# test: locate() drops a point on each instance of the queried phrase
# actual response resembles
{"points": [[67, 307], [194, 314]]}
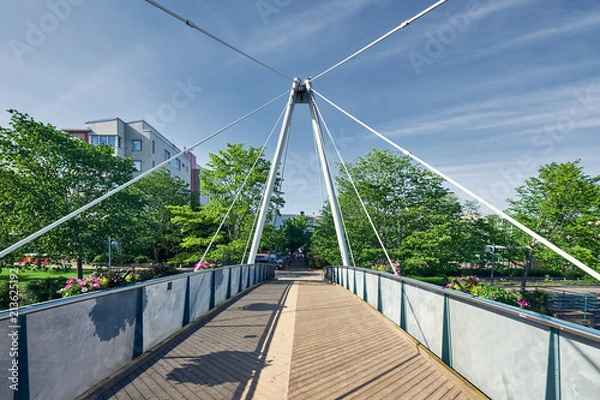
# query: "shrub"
{"points": [[538, 301], [41, 290], [100, 259], [471, 284], [141, 259], [436, 280], [4, 295], [317, 261], [158, 271]]}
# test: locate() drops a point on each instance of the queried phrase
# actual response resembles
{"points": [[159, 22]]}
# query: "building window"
{"points": [[103, 139], [137, 164], [136, 145], [167, 155], [177, 164], [153, 147]]}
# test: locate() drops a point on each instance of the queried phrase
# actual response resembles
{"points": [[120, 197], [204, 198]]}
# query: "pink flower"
{"points": [[200, 265], [80, 282], [70, 280], [95, 285], [84, 289], [522, 303], [67, 287]]}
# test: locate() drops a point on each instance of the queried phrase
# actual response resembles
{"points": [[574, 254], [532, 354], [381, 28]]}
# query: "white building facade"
{"points": [[147, 147]]}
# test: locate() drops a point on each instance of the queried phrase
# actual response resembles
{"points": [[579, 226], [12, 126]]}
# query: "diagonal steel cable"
{"points": [[380, 39], [471, 194], [210, 35]]}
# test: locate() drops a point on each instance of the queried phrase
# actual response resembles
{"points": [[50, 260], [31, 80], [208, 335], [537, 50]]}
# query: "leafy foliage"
{"points": [[44, 175], [221, 180], [421, 224], [296, 233], [155, 232], [40, 290], [563, 205]]}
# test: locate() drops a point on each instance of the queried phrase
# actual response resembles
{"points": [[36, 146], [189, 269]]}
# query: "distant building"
{"points": [[144, 144]]}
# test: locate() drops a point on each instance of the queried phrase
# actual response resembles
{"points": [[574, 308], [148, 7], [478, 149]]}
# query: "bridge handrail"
{"points": [[50, 304], [89, 337], [505, 351], [519, 313]]}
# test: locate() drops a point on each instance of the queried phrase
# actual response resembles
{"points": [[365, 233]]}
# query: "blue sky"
{"points": [[486, 91]]}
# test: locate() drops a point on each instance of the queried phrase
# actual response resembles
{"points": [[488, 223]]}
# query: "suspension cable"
{"points": [[362, 203], [75, 213], [238, 194], [210, 35], [471, 194], [390, 33]]}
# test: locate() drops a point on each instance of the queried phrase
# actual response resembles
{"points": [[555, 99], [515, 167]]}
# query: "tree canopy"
{"points": [[420, 222], [562, 204], [220, 181], [45, 174]]}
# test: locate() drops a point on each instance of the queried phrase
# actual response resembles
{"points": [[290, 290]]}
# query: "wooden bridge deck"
{"points": [[293, 338]]}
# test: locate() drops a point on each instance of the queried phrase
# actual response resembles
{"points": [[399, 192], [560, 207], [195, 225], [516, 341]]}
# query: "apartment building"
{"points": [[144, 144]]}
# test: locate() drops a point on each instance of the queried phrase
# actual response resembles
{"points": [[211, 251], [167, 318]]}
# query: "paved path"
{"points": [[294, 338]]}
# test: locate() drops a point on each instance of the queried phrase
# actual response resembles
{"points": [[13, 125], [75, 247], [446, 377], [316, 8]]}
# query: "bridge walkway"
{"points": [[294, 338]]}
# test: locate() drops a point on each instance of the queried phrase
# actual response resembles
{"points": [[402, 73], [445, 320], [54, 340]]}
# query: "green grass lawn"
{"points": [[26, 275]]}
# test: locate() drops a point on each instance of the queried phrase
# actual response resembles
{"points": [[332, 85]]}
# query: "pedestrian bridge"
{"points": [[252, 332]]}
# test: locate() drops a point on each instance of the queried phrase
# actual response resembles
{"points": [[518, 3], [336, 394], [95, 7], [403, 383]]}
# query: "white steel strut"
{"points": [[301, 94]]}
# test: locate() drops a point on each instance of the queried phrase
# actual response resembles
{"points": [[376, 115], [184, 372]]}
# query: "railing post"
{"points": [[355, 291], [347, 275], [213, 289], [228, 285], [402, 308], [22, 379], [365, 297], [186, 304], [138, 336], [241, 278], [553, 389], [446, 337], [379, 302]]}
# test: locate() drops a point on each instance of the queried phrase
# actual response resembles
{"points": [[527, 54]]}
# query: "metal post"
{"points": [[333, 203], [283, 135]]}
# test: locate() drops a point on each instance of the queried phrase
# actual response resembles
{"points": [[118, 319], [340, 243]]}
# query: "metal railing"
{"points": [[61, 348], [506, 352]]}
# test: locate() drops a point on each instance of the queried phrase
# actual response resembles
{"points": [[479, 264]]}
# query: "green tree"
{"points": [[220, 180], [296, 233], [45, 174], [155, 231], [562, 204], [420, 222]]}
